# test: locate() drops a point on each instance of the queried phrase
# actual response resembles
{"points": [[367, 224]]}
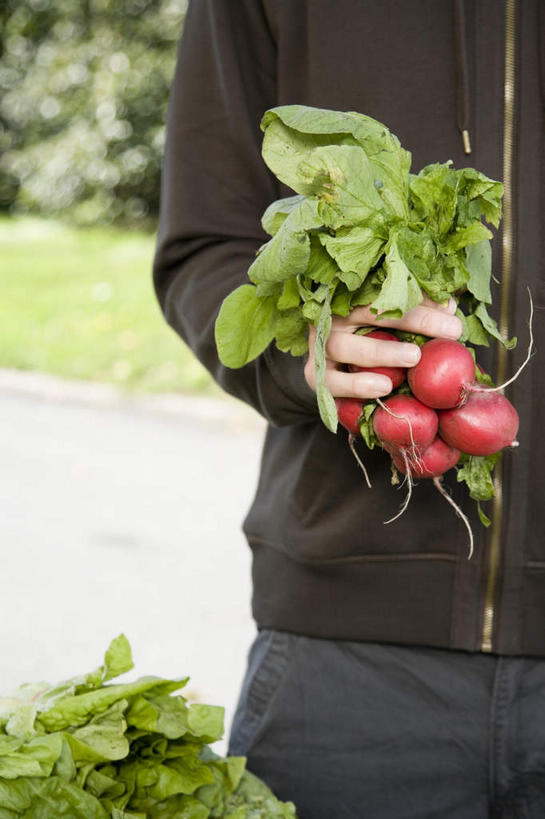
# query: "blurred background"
{"points": [[125, 473]]}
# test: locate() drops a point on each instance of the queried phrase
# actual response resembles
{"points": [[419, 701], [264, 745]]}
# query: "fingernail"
{"points": [[411, 355], [452, 327], [452, 306], [381, 384]]}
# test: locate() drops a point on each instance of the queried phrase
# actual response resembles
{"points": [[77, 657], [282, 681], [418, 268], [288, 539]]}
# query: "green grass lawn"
{"points": [[79, 303]]}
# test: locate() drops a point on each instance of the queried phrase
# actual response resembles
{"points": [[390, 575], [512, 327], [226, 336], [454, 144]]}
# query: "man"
{"points": [[391, 677]]}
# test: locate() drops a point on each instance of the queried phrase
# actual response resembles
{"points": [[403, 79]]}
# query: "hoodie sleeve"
{"points": [[215, 186]]}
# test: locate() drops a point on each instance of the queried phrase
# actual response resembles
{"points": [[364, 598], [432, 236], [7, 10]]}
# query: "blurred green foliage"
{"points": [[83, 93]]}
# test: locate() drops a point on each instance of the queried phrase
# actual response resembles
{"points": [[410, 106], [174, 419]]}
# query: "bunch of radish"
{"points": [[438, 412], [362, 230]]}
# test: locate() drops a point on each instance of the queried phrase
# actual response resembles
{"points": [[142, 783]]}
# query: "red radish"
{"points": [[443, 376], [486, 423], [437, 459], [349, 411], [404, 422], [396, 374]]}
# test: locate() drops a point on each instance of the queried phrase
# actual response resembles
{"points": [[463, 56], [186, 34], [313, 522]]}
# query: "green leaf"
{"points": [[370, 289], [291, 332], [159, 714], [272, 289], [287, 253], [326, 402], [178, 776], [485, 520], [391, 164], [290, 297], [259, 801], [454, 272], [118, 658], [483, 378], [342, 301], [351, 280], [314, 300], [479, 264], [342, 177], [244, 327], [21, 721], [366, 424], [433, 195], [9, 744], [413, 338], [102, 738], [311, 311], [418, 251], [77, 710], [48, 798], [472, 234], [321, 267], [277, 213], [292, 131], [177, 807], [476, 472], [284, 147], [400, 291], [474, 331], [18, 709], [357, 249], [33, 758], [101, 785], [484, 193], [492, 328], [206, 721]]}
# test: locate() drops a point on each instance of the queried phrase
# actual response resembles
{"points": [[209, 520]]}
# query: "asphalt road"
{"points": [[117, 519]]}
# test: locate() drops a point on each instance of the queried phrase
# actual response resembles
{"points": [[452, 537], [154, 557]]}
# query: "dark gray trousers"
{"points": [[373, 731]]}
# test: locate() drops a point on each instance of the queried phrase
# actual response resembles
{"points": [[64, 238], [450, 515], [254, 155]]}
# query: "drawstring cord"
{"points": [[541, 39], [462, 74]]}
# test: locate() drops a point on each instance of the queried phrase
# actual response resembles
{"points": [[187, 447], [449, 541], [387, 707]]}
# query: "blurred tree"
{"points": [[83, 94]]}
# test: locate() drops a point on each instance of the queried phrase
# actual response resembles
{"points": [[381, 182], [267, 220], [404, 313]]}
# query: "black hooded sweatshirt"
{"points": [[324, 564]]}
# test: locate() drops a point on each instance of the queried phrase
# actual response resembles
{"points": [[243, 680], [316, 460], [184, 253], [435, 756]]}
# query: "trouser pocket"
{"points": [[267, 664]]}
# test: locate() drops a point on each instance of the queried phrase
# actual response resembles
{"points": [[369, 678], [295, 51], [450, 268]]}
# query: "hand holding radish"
{"points": [[347, 353], [440, 416]]}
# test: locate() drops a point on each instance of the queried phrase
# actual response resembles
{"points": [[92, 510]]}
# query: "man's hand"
{"points": [[344, 347]]}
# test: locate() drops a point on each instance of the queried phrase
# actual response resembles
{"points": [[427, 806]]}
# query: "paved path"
{"points": [[116, 517]]}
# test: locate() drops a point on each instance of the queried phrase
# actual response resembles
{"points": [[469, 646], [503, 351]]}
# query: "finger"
{"points": [[365, 351], [448, 307], [425, 320], [357, 385], [311, 339]]}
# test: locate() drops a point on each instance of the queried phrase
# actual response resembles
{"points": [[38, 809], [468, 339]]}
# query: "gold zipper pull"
{"points": [[466, 141]]}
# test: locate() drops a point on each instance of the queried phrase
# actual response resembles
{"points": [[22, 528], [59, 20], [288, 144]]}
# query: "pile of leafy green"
{"points": [[86, 749], [362, 230]]}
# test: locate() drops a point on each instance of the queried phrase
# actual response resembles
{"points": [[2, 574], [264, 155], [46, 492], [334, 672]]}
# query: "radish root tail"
{"points": [[352, 445], [409, 480], [416, 461], [437, 482], [524, 363]]}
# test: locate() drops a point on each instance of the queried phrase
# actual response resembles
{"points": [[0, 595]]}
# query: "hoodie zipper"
{"points": [[507, 259]]}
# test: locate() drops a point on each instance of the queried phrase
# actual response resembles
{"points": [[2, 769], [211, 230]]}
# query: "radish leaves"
{"points": [[361, 230]]}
